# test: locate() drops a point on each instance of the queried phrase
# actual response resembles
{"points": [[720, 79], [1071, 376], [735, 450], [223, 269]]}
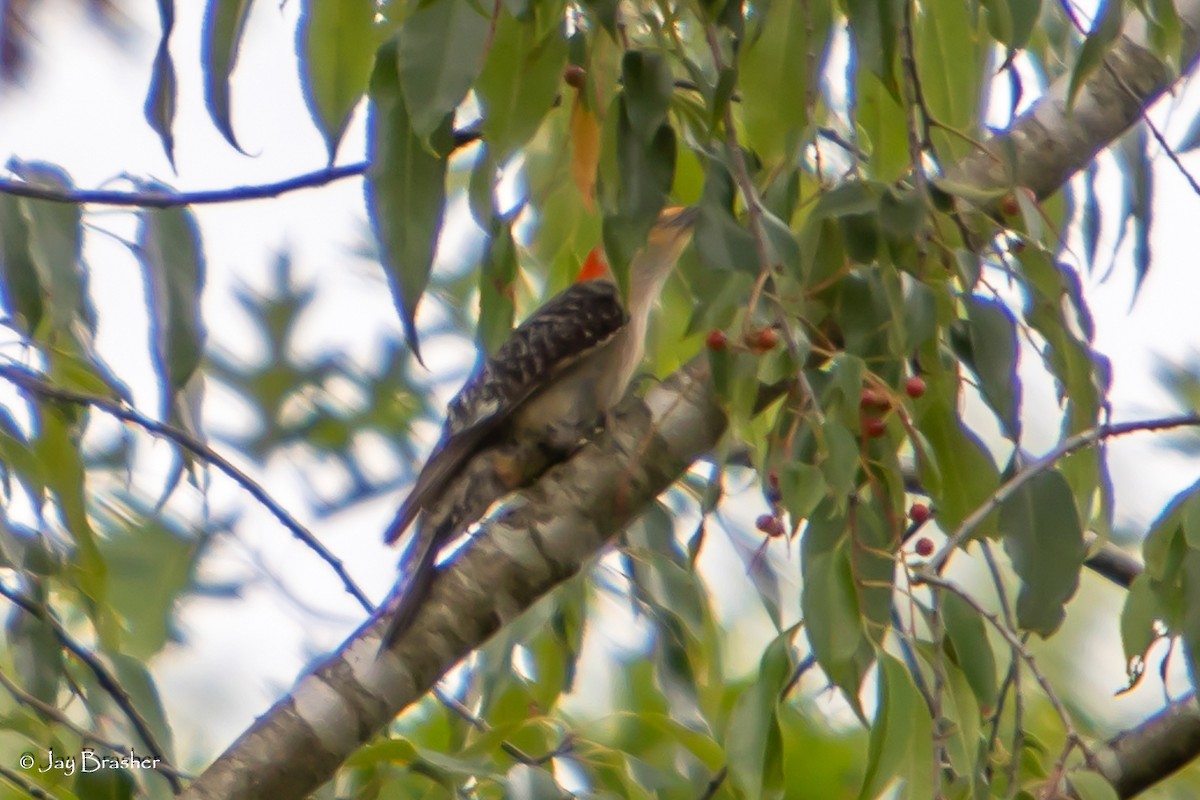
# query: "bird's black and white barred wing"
{"points": [[566, 328]]}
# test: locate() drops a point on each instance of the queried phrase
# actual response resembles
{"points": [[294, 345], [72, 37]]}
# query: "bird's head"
{"points": [[653, 263]]}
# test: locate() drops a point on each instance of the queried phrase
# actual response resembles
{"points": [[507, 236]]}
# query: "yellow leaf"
{"points": [[585, 151]]}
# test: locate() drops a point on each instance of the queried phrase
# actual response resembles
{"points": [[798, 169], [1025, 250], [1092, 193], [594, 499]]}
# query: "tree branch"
{"points": [[166, 199], [551, 532], [1050, 142], [1138, 758], [555, 527]]}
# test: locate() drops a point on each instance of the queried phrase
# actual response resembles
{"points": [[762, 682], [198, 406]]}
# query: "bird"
{"points": [[545, 391]]}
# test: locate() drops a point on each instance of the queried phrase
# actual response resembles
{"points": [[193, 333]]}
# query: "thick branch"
{"points": [[1049, 143], [551, 532], [1142, 756], [554, 528]]}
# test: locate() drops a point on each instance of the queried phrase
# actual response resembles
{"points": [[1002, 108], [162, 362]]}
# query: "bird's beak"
{"points": [[678, 216], [674, 226]]}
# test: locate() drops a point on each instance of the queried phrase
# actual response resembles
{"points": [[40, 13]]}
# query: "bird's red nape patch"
{"points": [[595, 266]]}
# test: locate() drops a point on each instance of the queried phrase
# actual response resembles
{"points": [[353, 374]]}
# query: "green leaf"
{"points": [[971, 649], [1089, 785], [1105, 29], [950, 61], [774, 76], [109, 783], [752, 742], [19, 284], [335, 44], [150, 566], [160, 99], [1189, 618], [961, 720], [224, 25], [994, 359], [1025, 16], [1044, 538], [874, 24], [841, 458], [519, 83], [497, 279], [721, 243], [884, 126], [648, 88], [138, 684], [964, 476], [1138, 616], [645, 173], [440, 52], [55, 245], [168, 244], [891, 730], [406, 188], [803, 487]]}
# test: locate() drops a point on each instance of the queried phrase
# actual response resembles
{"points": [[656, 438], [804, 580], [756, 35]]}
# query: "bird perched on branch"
{"points": [[544, 391]]}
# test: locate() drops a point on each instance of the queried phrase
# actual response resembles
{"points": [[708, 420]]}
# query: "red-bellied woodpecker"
{"points": [[544, 391]]}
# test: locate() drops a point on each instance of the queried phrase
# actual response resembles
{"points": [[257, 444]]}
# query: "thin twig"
{"points": [[168, 199], [159, 198], [106, 679], [1018, 647], [1077, 442], [714, 785], [455, 706], [33, 383], [31, 789], [57, 715]]}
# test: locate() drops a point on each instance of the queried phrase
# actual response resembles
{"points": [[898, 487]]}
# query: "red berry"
{"points": [[773, 479], [717, 341], [874, 427], [924, 547], [1009, 206], [874, 400], [919, 513], [769, 524], [761, 341], [575, 76], [914, 387]]}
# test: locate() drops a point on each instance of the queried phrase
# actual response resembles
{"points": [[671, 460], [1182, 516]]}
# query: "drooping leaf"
{"points": [[55, 246], [1105, 29], [496, 288], [224, 25], [406, 188], [440, 51], [1044, 538], [168, 244], [891, 730], [646, 77], [20, 286], [519, 83], [335, 43], [753, 742], [160, 99], [1138, 616], [994, 359], [950, 62], [1090, 785], [968, 473], [150, 564], [774, 75], [970, 648]]}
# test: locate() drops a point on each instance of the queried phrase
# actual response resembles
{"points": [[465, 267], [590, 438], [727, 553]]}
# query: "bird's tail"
{"points": [[416, 587]]}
